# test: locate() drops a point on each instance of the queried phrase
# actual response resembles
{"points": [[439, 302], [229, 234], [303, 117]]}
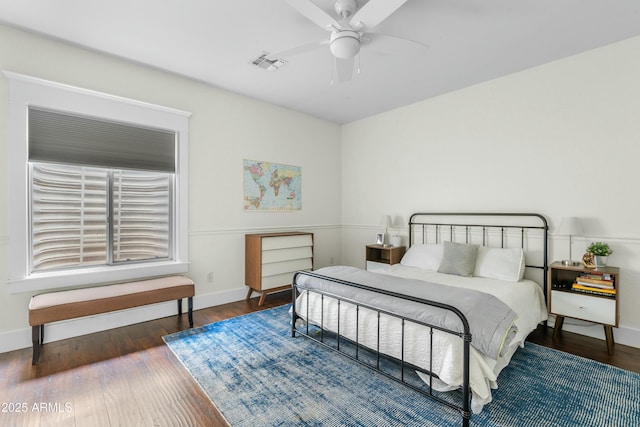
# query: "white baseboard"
{"points": [[21, 338], [621, 335]]}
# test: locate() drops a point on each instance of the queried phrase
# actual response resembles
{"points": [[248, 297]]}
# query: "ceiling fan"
{"points": [[349, 31]]}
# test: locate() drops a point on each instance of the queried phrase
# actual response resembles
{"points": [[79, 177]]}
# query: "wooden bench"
{"points": [[63, 305]]}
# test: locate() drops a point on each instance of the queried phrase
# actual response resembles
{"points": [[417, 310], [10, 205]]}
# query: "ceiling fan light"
{"points": [[344, 44]]}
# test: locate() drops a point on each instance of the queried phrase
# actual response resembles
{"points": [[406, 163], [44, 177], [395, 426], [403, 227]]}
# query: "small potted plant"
{"points": [[600, 251]]}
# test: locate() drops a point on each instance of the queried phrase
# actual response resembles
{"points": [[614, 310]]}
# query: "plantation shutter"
{"points": [[141, 206], [101, 192], [68, 216]]}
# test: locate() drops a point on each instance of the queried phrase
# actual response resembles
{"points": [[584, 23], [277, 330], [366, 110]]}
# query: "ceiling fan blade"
{"points": [[344, 69], [381, 39], [373, 13], [297, 50], [315, 14]]}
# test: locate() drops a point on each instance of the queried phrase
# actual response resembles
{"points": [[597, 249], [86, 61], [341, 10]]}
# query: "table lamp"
{"points": [[570, 226], [385, 222]]}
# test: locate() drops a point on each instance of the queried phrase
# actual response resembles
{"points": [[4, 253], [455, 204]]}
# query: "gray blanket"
{"points": [[490, 320]]}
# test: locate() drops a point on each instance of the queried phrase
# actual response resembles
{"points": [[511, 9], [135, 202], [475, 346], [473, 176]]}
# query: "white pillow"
{"points": [[427, 256], [498, 263]]}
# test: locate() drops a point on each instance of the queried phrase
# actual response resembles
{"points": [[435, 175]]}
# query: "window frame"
{"points": [[25, 91]]}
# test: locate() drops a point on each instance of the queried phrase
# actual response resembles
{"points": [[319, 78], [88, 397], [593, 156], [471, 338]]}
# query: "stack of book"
{"points": [[597, 284]]}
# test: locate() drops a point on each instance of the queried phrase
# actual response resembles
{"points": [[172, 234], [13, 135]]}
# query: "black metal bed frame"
{"points": [[503, 227], [426, 224]]}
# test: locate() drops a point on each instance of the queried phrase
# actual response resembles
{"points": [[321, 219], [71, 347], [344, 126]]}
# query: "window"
{"points": [[83, 216], [100, 187]]}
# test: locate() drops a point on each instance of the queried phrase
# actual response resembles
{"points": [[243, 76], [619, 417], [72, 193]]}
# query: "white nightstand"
{"points": [[566, 301]]}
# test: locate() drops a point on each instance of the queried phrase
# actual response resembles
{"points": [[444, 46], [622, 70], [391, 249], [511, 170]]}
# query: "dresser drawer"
{"points": [[281, 242], [584, 307], [277, 255], [289, 266]]}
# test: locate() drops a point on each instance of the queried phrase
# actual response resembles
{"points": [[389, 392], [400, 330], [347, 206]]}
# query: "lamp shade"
{"points": [[570, 226], [385, 221], [398, 221]]}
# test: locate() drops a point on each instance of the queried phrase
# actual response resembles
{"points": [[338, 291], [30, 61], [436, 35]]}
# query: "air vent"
{"points": [[268, 64]]}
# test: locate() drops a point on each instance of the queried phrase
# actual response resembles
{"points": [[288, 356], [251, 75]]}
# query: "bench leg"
{"points": [[37, 333], [190, 309]]}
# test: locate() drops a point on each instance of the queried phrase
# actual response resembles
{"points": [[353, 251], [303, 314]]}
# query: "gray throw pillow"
{"points": [[458, 258]]}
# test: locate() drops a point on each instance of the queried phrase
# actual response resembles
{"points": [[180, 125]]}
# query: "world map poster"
{"points": [[271, 186]]}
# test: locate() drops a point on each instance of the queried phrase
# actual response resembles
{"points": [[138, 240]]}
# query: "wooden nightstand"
{"points": [[566, 301], [379, 256]]}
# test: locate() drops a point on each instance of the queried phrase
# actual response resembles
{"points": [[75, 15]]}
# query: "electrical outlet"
{"points": [[331, 261], [210, 277]]}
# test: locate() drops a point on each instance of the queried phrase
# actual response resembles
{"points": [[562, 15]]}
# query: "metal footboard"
{"points": [[311, 332]]}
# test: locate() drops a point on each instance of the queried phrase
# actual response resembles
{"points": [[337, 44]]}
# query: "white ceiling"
{"points": [[214, 41]]}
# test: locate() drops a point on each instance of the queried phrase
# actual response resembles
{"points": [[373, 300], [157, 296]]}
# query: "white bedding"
{"points": [[524, 297]]}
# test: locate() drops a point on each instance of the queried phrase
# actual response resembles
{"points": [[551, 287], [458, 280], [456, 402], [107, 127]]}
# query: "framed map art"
{"points": [[271, 186]]}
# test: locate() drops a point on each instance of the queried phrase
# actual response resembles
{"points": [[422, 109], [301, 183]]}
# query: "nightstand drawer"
{"points": [[584, 307], [376, 266]]}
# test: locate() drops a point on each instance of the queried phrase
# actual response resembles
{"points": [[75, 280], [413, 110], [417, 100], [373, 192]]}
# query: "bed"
{"points": [[468, 291]]}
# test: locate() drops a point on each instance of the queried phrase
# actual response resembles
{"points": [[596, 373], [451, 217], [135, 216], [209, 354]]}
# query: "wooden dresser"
{"points": [[271, 259]]}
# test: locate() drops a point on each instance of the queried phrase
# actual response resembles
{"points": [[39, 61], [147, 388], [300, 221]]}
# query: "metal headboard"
{"points": [[486, 228]]}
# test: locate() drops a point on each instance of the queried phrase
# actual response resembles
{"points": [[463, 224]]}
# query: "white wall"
{"points": [[225, 128], [562, 139]]}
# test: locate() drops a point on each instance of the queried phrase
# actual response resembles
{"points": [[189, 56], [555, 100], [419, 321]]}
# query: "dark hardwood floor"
{"points": [[623, 356], [129, 377]]}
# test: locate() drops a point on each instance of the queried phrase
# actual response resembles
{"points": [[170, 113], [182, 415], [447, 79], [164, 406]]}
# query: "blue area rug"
{"points": [[257, 375]]}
